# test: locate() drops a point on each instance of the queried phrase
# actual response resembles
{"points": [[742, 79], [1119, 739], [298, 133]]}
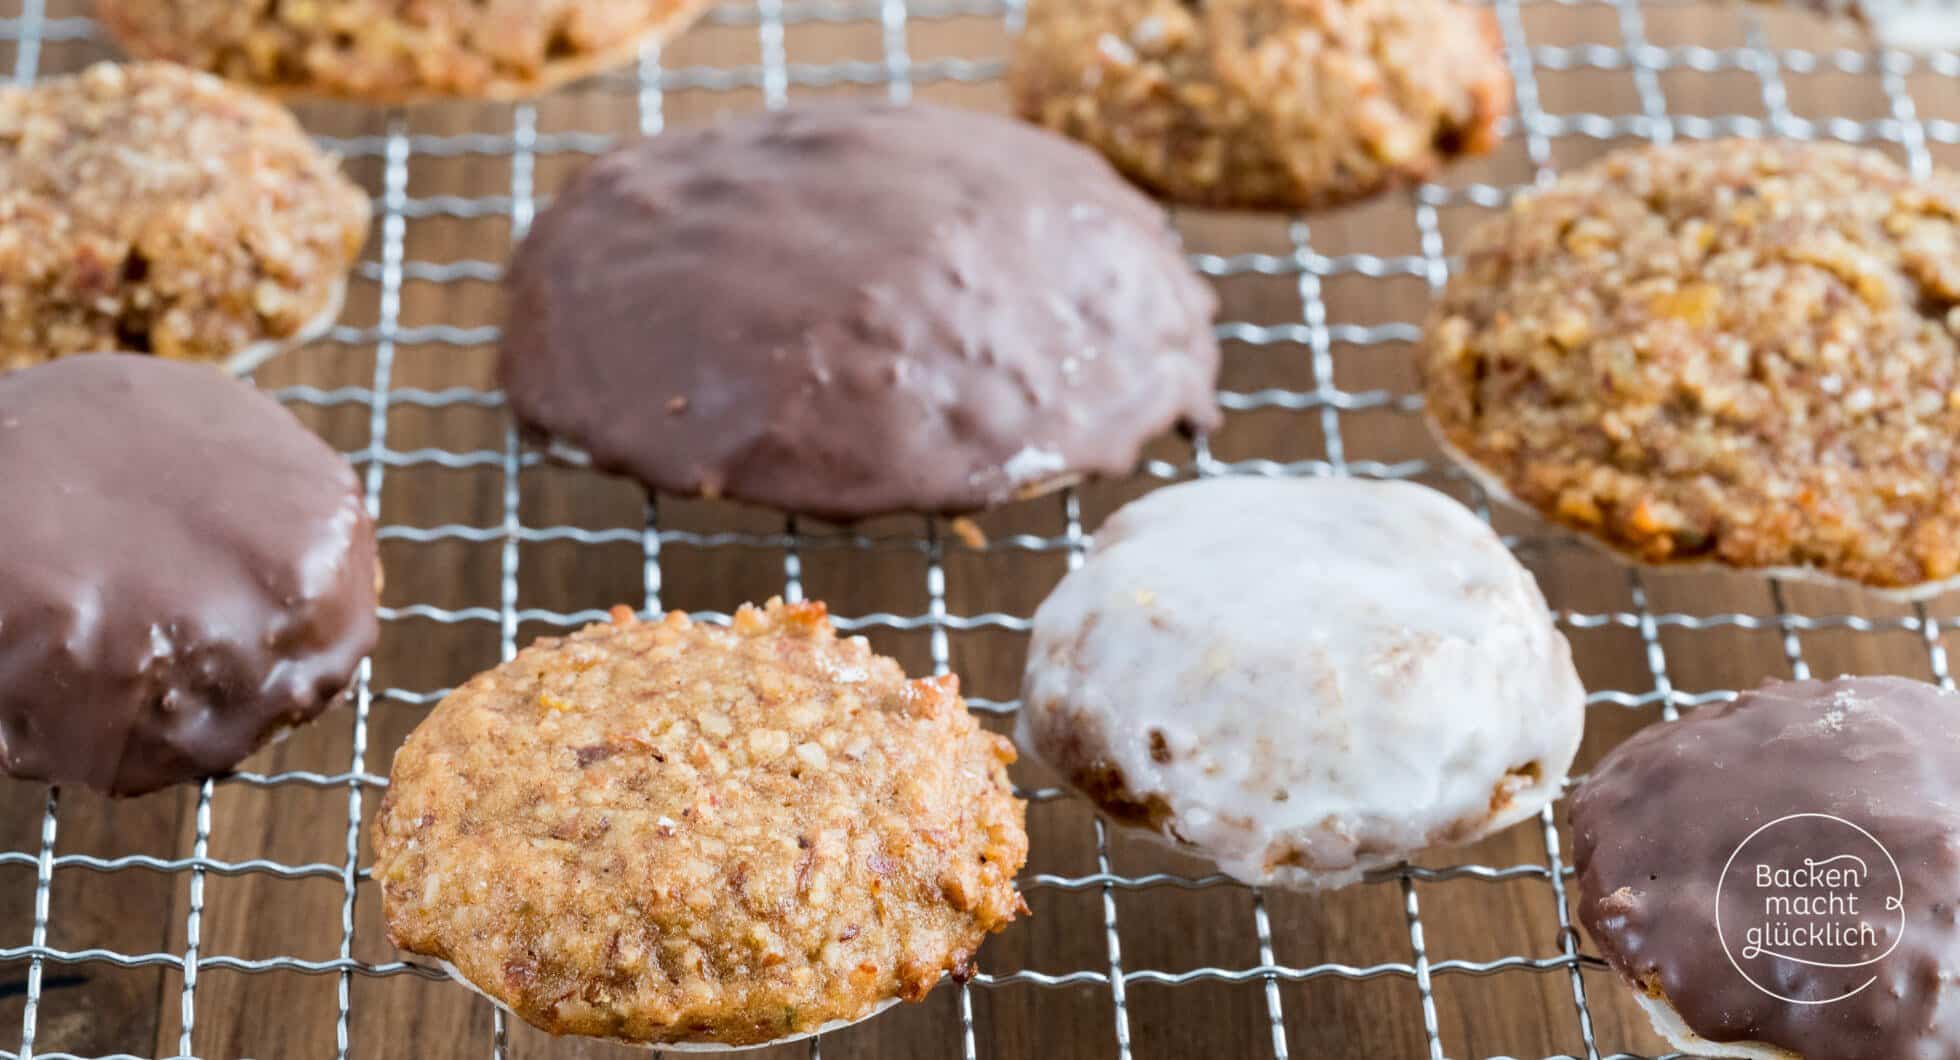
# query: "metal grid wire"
{"points": [[898, 70]]}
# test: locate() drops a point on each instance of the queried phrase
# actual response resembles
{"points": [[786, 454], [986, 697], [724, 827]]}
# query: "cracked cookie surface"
{"points": [[665, 831], [1742, 352]]}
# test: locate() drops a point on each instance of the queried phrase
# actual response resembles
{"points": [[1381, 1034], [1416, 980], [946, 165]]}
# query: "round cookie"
{"points": [[397, 51], [152, 209], [662, 832], [1269, 104], [1733, 351], [1302, 679], [188, 573], [853, 309], [1860, 774]]}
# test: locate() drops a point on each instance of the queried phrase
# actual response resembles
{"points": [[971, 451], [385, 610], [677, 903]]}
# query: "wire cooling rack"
{"points": [[1302, 366]]}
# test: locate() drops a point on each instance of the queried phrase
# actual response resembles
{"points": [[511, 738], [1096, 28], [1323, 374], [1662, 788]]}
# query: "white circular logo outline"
{"points": [[1898, 901]]}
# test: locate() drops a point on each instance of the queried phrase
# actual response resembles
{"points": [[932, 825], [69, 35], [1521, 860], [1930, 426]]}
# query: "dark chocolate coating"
{"points": [[1656, 822], [186, 570], [851, 309]]}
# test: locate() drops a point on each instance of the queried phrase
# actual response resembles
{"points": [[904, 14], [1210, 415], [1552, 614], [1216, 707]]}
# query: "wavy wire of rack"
{"points": [[475, 523]]}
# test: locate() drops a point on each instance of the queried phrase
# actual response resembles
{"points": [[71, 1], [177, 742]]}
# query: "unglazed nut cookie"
{"points": [[1302, 680], [152, 209], [396, 51], [1733, 351], [1775, 877], [663, 832], [1265, 103], [853, 309], [188, 572]]}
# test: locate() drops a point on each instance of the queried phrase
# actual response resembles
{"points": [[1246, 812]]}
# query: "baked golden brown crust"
{"points": [[152, 209], [1733, 351], [397, 51], [663, 831], [1265, 103]]}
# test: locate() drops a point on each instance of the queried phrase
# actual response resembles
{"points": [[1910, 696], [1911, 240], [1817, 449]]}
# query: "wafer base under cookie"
{"points": [[1491, 484], [1669, 1024], [1526, 804], [572, 456], [251, 357], [682, 1047]]}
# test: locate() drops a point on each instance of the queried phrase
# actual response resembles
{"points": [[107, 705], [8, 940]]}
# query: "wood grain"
{"points": [[92, 1008]]}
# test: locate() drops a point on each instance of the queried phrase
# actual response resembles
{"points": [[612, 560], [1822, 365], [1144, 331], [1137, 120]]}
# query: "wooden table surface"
{"points": [[1304, 339]]}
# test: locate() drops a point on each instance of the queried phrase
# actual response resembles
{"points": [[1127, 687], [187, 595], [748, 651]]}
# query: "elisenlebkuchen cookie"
{"points": [[662, 832], [852, 309], [1302, 680], [1776, 877], [1271, 104], [1734, 351], [397, 51], [187, 572], [152, 209]]}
